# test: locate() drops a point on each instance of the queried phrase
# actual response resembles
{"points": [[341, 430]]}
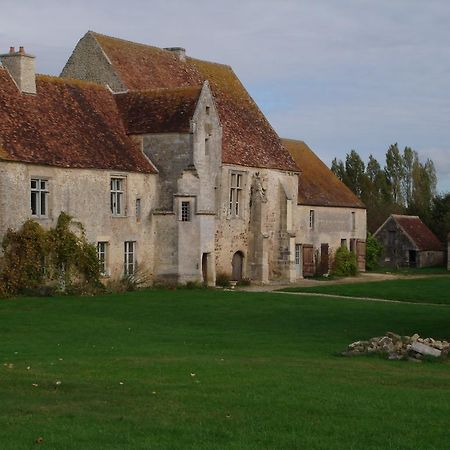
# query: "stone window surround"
{"points": [[237, 183], [129, 266], [103, 257], [41, 193], [118, 192]]}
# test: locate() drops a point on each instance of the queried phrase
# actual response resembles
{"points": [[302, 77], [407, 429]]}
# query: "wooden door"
{"points": [[324, 259], [361, 255], [308, 260], [237, 264]]}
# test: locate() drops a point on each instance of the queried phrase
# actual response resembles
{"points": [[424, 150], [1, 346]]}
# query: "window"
{"points": [[297, 254], [117, 196], [235, 194], [129, 258], [353, 221], [207, 145], [102, 257], [138, 209], [311, 219], [39, 197], [185, 211], [207, 110], [344, 243]]}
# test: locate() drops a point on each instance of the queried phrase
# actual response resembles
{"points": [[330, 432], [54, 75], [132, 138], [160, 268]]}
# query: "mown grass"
{"points": [[215, 370], [420, 290]]}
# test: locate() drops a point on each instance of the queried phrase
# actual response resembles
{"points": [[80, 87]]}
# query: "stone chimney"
{"points": [[21, 67], [180, 52]]}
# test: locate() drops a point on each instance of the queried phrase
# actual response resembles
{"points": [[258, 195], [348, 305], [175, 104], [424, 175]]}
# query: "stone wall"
{"points": [[260, 231], [331, 226], [85, 195], [88, 62]]}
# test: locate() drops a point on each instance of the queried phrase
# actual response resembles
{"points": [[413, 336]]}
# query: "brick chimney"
{"points": [[21, 67], [180, 52]]}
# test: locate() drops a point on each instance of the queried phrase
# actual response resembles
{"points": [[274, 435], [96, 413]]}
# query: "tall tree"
{"points": [[394, 170], [355, 173]]}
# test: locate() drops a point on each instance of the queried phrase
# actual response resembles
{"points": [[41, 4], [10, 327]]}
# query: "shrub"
{"points": [[344, 263], [374, 248], [244, 282], [223, 280], [36, 260]]}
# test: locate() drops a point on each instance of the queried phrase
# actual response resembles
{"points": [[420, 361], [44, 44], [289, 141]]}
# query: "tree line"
{"points": [[405, 185]]}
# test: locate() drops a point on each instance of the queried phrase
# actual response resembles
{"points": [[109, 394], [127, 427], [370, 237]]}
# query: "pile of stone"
{"points": [[413, 348]]}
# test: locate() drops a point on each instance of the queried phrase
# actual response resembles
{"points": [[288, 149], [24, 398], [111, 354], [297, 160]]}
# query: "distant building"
{"points": [[329, 214], [408, 242]]}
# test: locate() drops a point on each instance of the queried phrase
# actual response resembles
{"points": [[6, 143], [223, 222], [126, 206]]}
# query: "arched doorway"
{"points": [[237, 264]]}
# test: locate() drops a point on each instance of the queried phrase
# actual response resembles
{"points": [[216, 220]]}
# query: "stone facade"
{"points": [[328, 226], [201, 213], [85, 195]]}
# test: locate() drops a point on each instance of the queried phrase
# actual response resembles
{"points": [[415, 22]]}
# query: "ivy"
{"points": [[60, 257]]}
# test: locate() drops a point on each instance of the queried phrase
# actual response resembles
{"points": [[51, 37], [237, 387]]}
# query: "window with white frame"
{"points": [[185, 211], [236, 194], [39, 197], [311, 219], [117, 196], [129, 258], [102, 255], [353, 221]]}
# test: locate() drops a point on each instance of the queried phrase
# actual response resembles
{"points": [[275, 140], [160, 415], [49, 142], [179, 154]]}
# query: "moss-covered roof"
{"points": [[67, 124], [318, 185], [158, 110], [418, 232], [248, 138]]}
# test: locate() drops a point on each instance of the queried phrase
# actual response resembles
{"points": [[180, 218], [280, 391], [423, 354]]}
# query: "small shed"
{"points": [[408, 242]]}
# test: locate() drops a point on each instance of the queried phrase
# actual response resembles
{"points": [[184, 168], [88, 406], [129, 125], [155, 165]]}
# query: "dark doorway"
{"points": [[324, 259], [412, 258], [237, 264], [308, 260], [205, 268]]}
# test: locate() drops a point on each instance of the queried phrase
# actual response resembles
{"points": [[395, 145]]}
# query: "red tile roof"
{"points": [[158, 110], [248, 138], [318, 186], [67, 124], [418, 232]]}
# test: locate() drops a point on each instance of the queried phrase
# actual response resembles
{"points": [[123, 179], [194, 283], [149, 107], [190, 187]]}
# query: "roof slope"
{"points": [[318, 185], [418, 232], [248, 138], [67, 124], [158, 110]]}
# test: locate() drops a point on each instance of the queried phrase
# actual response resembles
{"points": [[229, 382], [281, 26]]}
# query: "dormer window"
{"points": [[207, 110]]}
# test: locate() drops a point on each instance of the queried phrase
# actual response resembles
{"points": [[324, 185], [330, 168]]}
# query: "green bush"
{"points": [[344, 263], [223, 280], [36, 260], [374, 248]]}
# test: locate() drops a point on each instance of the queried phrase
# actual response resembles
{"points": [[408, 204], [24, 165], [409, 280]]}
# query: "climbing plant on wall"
{"points": [[60, 257]]}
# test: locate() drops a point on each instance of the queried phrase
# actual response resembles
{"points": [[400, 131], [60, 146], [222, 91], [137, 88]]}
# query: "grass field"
{"points": [[215, 370], [418, 290]]}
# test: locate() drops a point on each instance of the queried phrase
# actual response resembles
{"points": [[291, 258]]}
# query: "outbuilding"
{"points": [[408, 242]]}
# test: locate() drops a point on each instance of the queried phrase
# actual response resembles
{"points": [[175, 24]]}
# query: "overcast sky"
{"points": [[338, 74]]}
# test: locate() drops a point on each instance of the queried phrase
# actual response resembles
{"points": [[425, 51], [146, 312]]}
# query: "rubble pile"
{"points": [[413, 348]]}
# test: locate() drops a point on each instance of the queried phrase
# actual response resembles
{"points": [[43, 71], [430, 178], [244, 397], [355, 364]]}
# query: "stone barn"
{"points": [[408, 242], [328, 215]]}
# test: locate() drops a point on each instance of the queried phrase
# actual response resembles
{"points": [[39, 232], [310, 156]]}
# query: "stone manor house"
{"points": [[169, 164]]}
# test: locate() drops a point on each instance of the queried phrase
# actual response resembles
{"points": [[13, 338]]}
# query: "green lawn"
{"points": [[216, 370], [419, 290]]}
